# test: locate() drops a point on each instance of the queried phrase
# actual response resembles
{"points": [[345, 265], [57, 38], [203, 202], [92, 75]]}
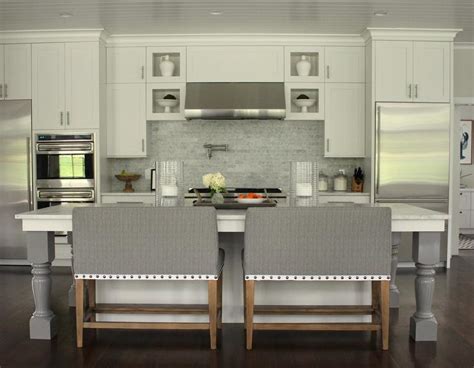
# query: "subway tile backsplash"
{"points": [[259, 151]]}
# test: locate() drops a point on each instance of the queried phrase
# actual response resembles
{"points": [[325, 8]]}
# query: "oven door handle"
{"points": [[57, 148], [44, 194]]}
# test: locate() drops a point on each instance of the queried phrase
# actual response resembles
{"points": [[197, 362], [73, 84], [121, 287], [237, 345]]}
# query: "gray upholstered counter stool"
{"points": [[146, 243], [325, 244]]}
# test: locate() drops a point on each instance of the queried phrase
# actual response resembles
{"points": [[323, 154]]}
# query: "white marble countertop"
{"points": [[328, 193], [399, 212]]}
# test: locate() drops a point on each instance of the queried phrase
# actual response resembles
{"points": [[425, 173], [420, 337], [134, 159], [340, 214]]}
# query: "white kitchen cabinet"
{"points": [[174, 55], [65, 85], [393, 70], [345, 64], [235, 64], [311, 54], [48, 86], [126, 64], [129, 198], [431, 71], [412, 71], [126, 121], [15, 74], [466, 209], [82, 85], [344, 125]]}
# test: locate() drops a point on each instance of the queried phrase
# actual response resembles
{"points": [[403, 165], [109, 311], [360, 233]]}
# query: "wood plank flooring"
{"points": [[453, 305]]}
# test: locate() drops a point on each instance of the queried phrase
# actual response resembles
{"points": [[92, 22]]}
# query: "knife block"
{"points": [[357, 187]]}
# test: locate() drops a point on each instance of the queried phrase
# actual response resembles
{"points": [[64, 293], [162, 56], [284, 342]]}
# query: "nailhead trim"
{"points": [[318, 277], [146, 277]]}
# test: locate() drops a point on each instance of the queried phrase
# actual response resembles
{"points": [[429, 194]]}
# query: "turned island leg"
{"points": [[394, 292], [41, 254], [423, 324]]}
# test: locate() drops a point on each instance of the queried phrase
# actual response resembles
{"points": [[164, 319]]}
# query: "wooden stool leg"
{"points": [[245, 302], [91, 296], [219, 300], [79, 312], [249, 306], [212, 297], [375, 294], [385, 311]]}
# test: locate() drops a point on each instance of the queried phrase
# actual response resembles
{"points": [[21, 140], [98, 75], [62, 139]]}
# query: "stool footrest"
{"points": [[151, 308], [315, 309], [367, 326], [147, 325]]}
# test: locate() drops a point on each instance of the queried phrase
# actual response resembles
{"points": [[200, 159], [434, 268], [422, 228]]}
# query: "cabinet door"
{"points": [[393, 70], [2, 68], [235, 64], [465, 219], [48, 85], [17, 72], [345, 64], [126, 122], [82, 85], [465, 200], [126, 64], [344, 125], [431, 72]]}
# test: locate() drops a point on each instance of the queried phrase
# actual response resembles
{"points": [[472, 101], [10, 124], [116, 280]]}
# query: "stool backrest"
{"points": [[145, 241], [352, 240]]}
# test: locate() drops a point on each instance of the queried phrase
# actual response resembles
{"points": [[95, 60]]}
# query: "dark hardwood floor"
{"points": [[453, 305]]}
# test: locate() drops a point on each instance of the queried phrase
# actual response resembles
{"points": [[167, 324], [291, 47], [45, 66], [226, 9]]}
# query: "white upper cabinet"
{"points": [[345, 64], [431, 73], [48, 86], [235, 64], [393, 70], [126, 122], [126, 65], [2, 71], [82, 85], [166, 64], [16, 71], [344, 125], [412, 71], [65, 85]]}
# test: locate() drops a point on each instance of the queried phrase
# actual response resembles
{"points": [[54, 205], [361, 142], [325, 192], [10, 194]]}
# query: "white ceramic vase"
{"points": [[303, 67], [166, 66]]}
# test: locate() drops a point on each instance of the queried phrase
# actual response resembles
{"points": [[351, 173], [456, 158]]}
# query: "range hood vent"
{"points": [[235, 101]]}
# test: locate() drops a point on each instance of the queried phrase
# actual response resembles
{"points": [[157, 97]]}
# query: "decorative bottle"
{"points": [[166, 66], [303, 66]]}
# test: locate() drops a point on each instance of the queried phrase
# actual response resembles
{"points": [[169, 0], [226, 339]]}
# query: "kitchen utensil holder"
{"points": [[304, 181], [169, 183], [357, 187]]}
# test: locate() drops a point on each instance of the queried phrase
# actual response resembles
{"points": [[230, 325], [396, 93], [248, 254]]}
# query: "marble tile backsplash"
{"points": [[259, 151]]}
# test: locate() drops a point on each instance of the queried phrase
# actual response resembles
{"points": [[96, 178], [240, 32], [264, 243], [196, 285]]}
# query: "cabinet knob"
{"points": [[416, 90], [6, 90], [1, 90], [61, 116], [143, 72], [409, 90], [143, 145], [327, 145], [67, 118]]}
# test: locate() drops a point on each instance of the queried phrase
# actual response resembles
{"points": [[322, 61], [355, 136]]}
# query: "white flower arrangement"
{"points": [[215, 182]]}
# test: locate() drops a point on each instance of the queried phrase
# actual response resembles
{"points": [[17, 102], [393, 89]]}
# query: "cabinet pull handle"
{"points": [[61, 116], [143, 72], [143, 145], [1, 90], [327, 72], [67, 118], [327, 145], [409, 90], [416, 90], [6, 90]]}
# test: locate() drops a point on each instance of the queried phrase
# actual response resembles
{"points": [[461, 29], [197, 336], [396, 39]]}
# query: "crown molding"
{"points": [[410, 34], [50, 35], [464, 45], [229, 39]]}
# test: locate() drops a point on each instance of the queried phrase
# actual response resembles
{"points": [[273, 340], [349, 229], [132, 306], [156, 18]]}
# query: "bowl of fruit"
{"points": [[128, 178], [168, 101], [250, 198]]}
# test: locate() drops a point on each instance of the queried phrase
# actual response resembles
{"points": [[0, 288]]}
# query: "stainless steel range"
{"points": [[65, 169], [274, 193]]}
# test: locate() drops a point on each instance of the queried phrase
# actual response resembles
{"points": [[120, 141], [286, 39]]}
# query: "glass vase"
{"points": [[217, 198]]}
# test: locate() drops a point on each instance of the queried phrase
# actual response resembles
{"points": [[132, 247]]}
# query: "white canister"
{"points": [[169, 190], [166, 66], [340, 182], [304, 189], [303, 66], [323, 182]]}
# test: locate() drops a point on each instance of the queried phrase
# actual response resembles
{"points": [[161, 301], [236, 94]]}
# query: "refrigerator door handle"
{"points": [[29, 173], [411, 200], [377, 154]]}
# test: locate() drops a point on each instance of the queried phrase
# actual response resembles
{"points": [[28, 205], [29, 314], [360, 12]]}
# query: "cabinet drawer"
{"points": [[130, 199], [343, 199], [464, 219]]}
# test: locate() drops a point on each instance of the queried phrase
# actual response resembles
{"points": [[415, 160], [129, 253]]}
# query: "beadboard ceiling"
{"points": [[238, 16]]}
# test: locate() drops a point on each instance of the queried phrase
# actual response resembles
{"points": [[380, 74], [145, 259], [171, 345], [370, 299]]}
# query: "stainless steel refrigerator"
{"points": [[15, 177], [412, 156]]}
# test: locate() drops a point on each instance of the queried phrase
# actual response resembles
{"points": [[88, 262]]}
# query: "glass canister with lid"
{"points": [[323, 182], [340, 182]]}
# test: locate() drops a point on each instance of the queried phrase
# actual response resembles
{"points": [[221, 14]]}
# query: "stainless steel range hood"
{"points": [[235, 101]]}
